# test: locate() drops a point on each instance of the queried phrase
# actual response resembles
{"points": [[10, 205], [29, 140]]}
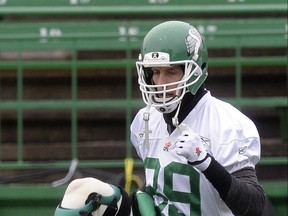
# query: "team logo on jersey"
{"points": [[167, 146], [205, 141], [198, 151], [242, 150]]}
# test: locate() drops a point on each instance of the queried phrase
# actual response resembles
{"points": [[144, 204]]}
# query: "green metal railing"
{"points": [[230, 33], [142, 8], [127, 36]]}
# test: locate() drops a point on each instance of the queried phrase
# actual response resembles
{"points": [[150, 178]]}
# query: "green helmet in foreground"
{"points": [[167, 44]]}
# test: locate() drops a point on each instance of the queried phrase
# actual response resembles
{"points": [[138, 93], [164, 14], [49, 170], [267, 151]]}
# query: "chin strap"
{"points": [[146, 117], [175, 121]]}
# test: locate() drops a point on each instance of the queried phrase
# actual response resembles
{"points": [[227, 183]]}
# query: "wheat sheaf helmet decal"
{"points": [[193, 42]]}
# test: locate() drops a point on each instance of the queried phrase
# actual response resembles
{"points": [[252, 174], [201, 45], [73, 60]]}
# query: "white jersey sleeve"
{"points": [[232, 138]]}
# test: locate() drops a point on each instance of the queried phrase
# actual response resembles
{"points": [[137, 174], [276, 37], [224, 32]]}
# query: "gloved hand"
{"points": [[190, 146]]}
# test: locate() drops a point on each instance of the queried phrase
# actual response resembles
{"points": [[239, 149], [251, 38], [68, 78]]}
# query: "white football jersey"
{"points": [[177, 188]]}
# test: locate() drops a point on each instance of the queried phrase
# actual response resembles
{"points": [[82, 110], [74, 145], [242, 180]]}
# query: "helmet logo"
{"points": [[155, 55], [156, 59], [193, 42]]}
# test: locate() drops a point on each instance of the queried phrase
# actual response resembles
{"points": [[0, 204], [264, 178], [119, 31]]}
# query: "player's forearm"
{"points": [[240, 191], [246, 196]]}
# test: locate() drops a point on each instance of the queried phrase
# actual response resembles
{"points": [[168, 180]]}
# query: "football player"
{"points": [[199, 152]]}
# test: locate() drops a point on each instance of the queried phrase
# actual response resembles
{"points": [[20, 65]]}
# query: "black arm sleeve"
{"points": [[240, 190], [246, 196]]}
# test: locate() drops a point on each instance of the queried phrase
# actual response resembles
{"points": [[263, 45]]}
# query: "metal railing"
{"points": [[127, 36]]}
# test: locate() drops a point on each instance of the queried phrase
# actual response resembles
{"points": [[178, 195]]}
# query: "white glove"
{"points": [[190, 146]]}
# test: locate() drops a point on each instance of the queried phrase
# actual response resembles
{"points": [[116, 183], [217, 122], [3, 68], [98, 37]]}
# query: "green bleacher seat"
{"points": [[127, 35], [140, 7]]}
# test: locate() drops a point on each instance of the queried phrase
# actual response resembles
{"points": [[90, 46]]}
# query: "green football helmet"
{"points": [[168, 44]]}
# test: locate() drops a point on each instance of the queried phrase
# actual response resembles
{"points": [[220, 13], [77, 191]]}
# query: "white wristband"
{"points": [[202, 165]]}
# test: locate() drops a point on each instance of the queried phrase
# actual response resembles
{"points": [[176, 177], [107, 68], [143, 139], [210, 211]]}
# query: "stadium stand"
{"points": [[68, 87], [142, 8]]}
